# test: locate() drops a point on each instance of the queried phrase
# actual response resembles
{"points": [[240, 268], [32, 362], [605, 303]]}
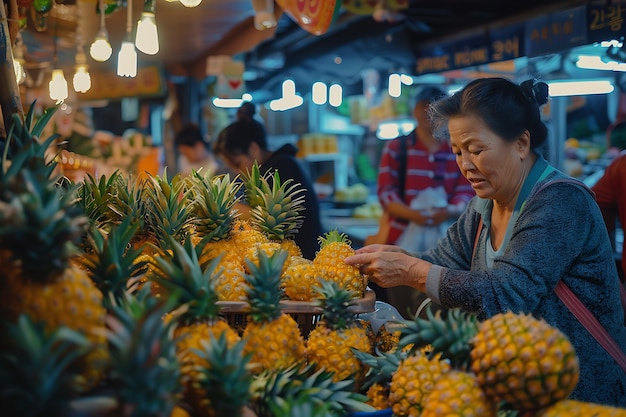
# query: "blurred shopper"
{"points": [[194, 151], [421, 190], [243, 142], [530, 234], [611, 197]]}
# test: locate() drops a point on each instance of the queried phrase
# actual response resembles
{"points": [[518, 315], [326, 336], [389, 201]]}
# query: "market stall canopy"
{"points": [[379, 34]]}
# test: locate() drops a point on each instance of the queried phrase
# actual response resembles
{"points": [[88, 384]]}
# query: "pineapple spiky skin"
{"points": [[378, 396], [330, 345], [573, 408], [272, 337], [413, 381], [334, 248], [300, 279], [457, 394], [517, 359], [523, 361]]}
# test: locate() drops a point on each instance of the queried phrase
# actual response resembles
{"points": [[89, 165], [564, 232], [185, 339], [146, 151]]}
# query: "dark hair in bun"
{"points": [[508, 109]]}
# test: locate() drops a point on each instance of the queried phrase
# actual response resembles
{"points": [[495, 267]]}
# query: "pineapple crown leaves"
{"points": [[264, 293], [145, 371], [335, 302], [281, 203], [41, 226], [449, 336], [94, 195], [37, 366], [253, 185], [333, 236], [178, 269], [128, 199], [380, 368], [227, 379], [168, 212], [23, 134], [111, 260], [214, 200], [278, 391]]}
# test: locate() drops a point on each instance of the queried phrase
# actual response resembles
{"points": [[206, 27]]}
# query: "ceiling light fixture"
{"points": [[58, 85], [335, 95], [147, 38], [127, 57], [579, 88], [18, 59], [190, 3], [100, 49], [82, 79]]}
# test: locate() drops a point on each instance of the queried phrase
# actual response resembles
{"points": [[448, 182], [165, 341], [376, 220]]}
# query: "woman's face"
{"points": [[494, 167]]}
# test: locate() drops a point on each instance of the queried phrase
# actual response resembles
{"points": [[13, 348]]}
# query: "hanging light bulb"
{"points": [[58, 85], [82, 79], [18, 59], [127, 57], [190, 3], [147, 38], [101, 48]]}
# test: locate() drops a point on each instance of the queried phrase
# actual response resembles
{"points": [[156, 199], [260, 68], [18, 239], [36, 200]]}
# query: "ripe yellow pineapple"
{"points": [[213, 218], [334, 248], [300, 279], [523, 361], [413, 381], [272, 337], [573, 408], [40, 226], [194, 288], [457, 394], [517, 359], [330, 344]]}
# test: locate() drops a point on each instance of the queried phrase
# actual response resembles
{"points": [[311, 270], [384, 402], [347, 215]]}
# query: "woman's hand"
{"points": [[390, 266]]}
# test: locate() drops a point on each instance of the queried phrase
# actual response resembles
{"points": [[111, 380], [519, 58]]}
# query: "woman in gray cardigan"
{"points": [[533, 234]]}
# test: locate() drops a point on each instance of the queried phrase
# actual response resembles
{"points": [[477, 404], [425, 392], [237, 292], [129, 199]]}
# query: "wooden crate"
{"points": [[306, 313]]}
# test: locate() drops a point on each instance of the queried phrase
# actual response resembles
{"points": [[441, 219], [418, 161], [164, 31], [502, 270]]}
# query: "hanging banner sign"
{"points": [[149, 82], [556, 31], [605, 20], [506, 42], [471, 50]]}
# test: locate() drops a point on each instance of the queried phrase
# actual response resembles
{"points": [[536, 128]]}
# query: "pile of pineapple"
{"points": [[111, 297]]}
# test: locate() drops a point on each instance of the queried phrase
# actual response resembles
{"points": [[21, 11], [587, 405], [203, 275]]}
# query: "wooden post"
{"points": [[10, 101]]}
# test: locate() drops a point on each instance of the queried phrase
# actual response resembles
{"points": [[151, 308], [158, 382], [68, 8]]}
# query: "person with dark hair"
{"points": [[194, 151], [421, 191], [243, 142], [529, 231]]}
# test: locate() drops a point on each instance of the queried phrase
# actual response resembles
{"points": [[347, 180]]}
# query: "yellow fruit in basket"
{"points": [[334, 248], [272, 337], [300, 278], [330, 343], [457, 394]]}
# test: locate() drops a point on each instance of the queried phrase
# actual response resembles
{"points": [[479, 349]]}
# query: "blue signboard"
{"points": [[471, 49], [506, 42], [556, 31], [605, 20]]}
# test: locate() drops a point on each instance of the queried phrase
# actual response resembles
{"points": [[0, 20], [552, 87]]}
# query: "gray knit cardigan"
{"points": [[560, 234]]}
